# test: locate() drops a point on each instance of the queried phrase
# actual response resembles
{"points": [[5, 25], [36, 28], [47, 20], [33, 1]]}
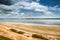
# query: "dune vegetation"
{"points": [[16, 31], [4, 38]]}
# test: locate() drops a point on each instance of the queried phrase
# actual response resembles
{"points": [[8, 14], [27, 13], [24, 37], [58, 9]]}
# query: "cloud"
{"points": [[54, 8], [22, 14], [32, 6], [37, 7], [37, 0], [48, 13], [15, 10]]}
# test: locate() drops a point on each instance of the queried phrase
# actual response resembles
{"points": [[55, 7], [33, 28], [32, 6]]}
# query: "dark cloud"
{"points": [[5, 2], [8, 2]]}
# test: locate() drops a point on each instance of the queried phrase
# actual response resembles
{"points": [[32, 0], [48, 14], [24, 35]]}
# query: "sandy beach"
{"points": [[27, 31]]}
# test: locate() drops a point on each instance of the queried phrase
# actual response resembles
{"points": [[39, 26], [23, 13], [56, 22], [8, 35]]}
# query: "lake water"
{"points": [[47, 22]]}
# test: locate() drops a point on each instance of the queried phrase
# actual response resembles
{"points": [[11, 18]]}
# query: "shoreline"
{"points": [[31, 24]]}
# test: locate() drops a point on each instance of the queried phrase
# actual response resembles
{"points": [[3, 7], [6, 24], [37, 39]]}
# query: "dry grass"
{"points": [[16, 31], [4, 38], [39, 36]]}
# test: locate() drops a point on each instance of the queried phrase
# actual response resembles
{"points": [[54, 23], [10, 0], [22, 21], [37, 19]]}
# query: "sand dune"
{"points": [[48, 33]]}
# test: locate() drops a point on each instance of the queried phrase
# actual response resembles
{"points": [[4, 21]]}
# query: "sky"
{"points": [[29, 8]]}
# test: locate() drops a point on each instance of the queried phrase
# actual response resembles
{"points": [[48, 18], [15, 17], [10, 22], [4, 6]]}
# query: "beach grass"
{"points": [[16, 31], [4, 38], [38, 36]]}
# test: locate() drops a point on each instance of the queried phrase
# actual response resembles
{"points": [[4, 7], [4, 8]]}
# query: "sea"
{"points": [[45, 22]]}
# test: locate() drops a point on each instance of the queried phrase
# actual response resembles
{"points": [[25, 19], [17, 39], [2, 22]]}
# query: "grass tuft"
{"points": [[19, 32], [13, 30], [4, 38], [39, 36]]}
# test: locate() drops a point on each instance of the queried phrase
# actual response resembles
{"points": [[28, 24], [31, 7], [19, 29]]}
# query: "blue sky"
{"points": [[29, 8]]}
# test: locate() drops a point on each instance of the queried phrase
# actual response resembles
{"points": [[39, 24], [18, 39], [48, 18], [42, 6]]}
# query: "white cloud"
{"points": [[23, 4], [22, 14], [54, 8], [38, 10], [0, 11], [36, 7], [37, 0], [31, 6], [49, 13], [8, 14]]}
